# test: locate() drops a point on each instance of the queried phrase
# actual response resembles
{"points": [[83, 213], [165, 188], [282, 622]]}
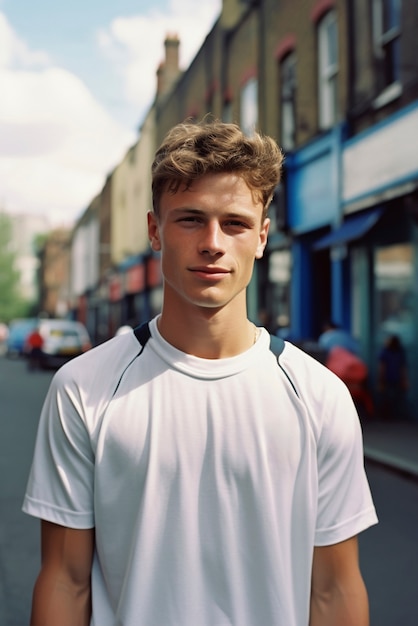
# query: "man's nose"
{"points": [[212, 240]]}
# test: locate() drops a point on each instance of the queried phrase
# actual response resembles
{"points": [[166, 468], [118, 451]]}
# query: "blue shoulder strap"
{"points": [[142, 333], [277, 346]]}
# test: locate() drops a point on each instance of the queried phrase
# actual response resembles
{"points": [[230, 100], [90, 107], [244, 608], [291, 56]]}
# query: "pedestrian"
{"points": [[334, 336], [185, 474], [34, 343], [354, 372], [393, 379]]}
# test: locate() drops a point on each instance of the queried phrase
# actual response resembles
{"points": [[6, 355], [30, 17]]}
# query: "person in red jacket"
{"points": [[34, 342], [354, 372]]}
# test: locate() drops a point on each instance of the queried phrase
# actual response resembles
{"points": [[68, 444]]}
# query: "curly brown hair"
{"points": [[191, 150]]}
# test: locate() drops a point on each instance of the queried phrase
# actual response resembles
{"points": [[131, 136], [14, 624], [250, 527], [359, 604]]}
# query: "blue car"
{"points": [[19, 329]]}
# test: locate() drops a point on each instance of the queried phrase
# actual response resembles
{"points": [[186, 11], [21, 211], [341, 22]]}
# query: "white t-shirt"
{"points": [[208, 482]]}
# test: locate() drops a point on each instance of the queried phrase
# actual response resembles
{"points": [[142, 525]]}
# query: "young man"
{"points": [[185, 475]]}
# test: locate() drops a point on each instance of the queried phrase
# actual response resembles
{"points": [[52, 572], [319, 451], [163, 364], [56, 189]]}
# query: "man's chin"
{"points": [[210, 304]]}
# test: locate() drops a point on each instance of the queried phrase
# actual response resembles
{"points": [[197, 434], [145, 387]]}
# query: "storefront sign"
{"points": [[380, 159], [313, 183]]}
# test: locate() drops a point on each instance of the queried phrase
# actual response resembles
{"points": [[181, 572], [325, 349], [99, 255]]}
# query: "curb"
{"points": [[392, 462]]}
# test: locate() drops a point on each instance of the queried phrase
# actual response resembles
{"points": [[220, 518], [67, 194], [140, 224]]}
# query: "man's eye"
{"points": [[236, 223], [189, 218]]}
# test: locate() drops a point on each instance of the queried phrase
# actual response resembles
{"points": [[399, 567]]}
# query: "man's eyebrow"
{"points": [[230, 214], [188, 209]]}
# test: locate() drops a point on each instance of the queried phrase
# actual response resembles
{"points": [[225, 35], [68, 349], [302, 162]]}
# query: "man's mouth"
{"points": [[205, 271]]}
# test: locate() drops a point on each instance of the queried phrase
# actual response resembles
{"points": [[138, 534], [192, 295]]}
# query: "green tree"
{"points": [[11, 303]]}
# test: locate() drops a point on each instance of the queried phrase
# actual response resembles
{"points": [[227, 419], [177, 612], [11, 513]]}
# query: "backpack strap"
{"points": [[277, 346], [142, 333]]}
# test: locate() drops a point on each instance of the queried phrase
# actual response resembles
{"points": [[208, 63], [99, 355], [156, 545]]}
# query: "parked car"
{"points": [[19, 329], [62, 340]]}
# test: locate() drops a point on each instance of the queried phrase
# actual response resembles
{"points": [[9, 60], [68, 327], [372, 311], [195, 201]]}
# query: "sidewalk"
{"points": [[392, 444]]}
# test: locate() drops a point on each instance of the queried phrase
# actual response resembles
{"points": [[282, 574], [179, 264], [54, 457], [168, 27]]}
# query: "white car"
{"points": [[63, 340]]}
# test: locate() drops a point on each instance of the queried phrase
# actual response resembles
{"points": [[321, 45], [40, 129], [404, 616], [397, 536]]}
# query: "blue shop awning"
{"points": [[353, 228]]}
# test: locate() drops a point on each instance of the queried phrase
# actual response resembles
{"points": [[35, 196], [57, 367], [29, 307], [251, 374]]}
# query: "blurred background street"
{"points": [[389, 552]]}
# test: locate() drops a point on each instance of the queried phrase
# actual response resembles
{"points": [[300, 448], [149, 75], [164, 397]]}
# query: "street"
{"points": [[389, 552], [21, 396]]}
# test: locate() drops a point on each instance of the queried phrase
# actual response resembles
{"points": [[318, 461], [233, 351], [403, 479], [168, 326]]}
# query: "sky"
{"points": [[76, 80]]}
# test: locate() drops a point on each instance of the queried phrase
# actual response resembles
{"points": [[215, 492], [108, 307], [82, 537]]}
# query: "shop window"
{"points": [[249, 106], [386, 39], [288, 101], [327, 70], [394, 293]]}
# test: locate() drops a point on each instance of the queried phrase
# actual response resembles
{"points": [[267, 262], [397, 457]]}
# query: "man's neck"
{"points": [[209, 334]]}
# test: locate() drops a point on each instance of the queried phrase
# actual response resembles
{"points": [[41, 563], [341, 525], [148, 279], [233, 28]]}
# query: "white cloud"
{"points": [[14, 52], [57, 142], [135, 45]]}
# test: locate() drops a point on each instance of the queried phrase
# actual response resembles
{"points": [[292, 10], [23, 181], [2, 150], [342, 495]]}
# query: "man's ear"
{"points": [[262, 238], [153, 232]]}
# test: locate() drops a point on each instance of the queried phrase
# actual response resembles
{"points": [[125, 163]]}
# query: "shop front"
{"points": [[313, 207], [380, 183]]}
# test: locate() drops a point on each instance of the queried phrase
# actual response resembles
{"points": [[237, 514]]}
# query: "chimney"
{"points": [[172, 45], [169, 70]]}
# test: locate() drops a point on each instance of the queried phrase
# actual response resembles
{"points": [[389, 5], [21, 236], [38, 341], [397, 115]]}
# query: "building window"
{"points": [[386, 36], [327, 70], [249, 106], [288, 101]]}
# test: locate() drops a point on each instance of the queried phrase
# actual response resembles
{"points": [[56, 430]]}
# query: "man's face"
{"points": [[209, 236]]}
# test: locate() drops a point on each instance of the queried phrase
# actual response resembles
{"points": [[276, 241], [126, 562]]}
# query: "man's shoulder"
{"points": [[293, 353], [101, 366], [310, 376]]}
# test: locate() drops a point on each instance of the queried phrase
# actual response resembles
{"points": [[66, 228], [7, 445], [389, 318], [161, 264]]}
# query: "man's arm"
{"points": [[338, 592], [62, 590]]}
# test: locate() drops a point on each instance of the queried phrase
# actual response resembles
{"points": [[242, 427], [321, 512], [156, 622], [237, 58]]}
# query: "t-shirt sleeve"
{"points": [[345, 505], [60, 485]]}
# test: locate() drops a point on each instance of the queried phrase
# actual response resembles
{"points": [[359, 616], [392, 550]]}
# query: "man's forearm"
{"points": [[58, 601], [344, 609]]}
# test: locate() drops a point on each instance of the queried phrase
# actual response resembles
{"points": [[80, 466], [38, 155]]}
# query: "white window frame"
{"points": [[383, 37], [287, 101], [327, 70]]}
